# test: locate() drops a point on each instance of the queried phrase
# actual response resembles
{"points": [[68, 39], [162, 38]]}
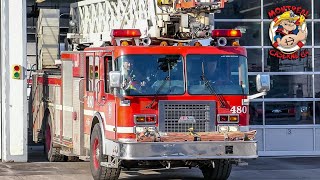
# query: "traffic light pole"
{"points": [[13, 124]]}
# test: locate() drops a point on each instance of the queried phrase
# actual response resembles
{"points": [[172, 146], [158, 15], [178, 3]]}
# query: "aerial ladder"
{"points": [[93, 20]]}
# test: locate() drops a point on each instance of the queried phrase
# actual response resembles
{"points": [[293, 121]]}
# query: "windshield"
{"points": [[227, 74], [151, 74]]}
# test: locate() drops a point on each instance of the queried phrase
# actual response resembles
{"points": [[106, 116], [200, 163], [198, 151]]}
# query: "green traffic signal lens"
{"points": [[96, 74], [16, 75]]}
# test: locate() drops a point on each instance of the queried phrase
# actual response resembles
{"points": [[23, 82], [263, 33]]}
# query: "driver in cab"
{"points": [[208, 71], [211, 72], [129, 77], [216, 75]]}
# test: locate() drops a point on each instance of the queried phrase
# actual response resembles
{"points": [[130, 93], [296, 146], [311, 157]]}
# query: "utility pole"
{"points": [[13, 81]]}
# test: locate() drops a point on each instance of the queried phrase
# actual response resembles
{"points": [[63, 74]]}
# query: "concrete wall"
{"points": [[13, 91]]}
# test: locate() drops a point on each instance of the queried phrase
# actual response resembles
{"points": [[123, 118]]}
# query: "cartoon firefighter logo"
{"points": [[288, 32]]}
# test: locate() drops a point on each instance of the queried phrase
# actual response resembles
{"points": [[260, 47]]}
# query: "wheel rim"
{"points": [[96, 153], [48, 138]]}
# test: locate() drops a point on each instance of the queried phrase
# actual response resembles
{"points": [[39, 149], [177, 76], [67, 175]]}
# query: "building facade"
{"points": [[288, 118]]}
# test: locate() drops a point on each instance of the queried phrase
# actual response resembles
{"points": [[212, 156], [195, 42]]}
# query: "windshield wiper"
{"points": [[149, 106], [165, 64], [158, 91], [223, 102]]}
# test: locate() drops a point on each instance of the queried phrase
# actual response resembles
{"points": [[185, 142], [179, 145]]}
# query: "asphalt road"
{"points": [[263, 168]]}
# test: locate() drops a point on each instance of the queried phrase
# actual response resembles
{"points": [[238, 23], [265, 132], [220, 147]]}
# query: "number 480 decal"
{"points": [[238, 109]]}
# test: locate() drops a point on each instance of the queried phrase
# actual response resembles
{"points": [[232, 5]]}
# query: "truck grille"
{"points": [[179, 116]]}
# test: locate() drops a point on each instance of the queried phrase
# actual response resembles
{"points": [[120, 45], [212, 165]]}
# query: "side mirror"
{"points": [[115, 79], [263, 82]]}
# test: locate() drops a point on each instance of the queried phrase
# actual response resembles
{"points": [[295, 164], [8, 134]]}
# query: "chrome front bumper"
{"points": [[195, 150]]}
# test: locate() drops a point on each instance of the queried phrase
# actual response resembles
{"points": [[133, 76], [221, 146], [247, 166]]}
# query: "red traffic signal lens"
{"points": [[16, 68]]}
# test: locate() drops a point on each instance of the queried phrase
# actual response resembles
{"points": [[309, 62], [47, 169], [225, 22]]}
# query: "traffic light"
{"points": [[16, 71], [96, 73]]}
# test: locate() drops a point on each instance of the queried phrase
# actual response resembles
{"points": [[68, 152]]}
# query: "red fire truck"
{"points": [[148, 103]]}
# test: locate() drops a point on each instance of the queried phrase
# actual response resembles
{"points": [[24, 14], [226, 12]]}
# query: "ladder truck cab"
{"points": [[149, 102]]}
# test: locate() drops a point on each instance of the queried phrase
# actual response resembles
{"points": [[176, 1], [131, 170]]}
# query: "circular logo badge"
{"points": [[288, 32]]}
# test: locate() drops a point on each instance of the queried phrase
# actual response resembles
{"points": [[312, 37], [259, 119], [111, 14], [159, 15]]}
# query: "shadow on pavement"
{"points": [[159, 174]]}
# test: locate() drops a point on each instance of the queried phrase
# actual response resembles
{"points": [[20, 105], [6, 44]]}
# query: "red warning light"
{"points": [[227, 33], [126, 33]]}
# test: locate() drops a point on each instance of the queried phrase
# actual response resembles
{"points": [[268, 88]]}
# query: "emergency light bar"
{"points": [[125, 33], [227, 33]]}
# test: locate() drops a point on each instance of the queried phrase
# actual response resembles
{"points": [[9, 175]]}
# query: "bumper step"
{"points": [[191, 136]]}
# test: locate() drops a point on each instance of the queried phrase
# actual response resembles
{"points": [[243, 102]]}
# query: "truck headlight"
{"points": [[233, 128], [228, 128], [140, 129], [223, 129]]}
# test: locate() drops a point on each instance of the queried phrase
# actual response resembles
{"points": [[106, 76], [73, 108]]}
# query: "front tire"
{"points": [[221, 171], [96, 157]]}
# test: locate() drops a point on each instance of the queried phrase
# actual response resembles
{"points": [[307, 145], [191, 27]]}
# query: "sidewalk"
{"points": [[45, 170], [263, 168], [38, 168]]}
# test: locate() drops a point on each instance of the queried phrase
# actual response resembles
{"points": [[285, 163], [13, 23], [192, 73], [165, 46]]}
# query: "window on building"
{"points": [[317, 33], [317, 59], [317, 85], [289, 113], [254, 60], [303, 62], [251, 31], [256, 113], [252, 84], [317, 111], [316, 9], [299, 6], [240, 9], [291, 86]]}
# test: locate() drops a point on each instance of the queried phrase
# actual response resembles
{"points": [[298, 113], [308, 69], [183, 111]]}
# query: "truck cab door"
{"points": [[105, 100], [89, 92]]}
